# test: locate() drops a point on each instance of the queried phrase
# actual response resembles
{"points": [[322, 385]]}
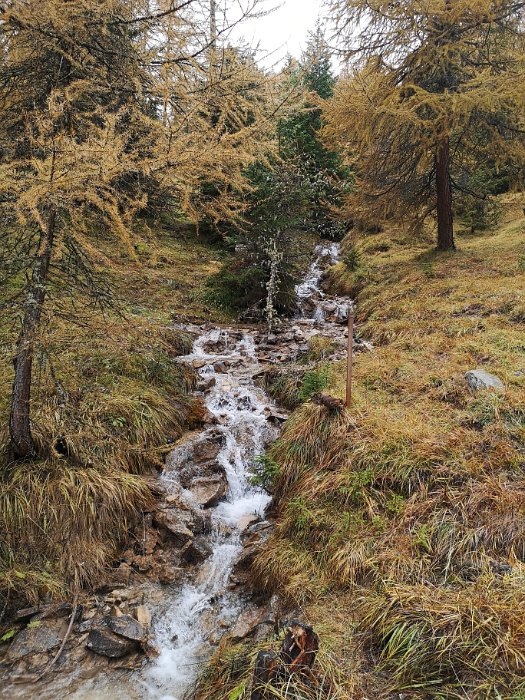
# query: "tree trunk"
{"points": [[22, 445], [444, 197]]}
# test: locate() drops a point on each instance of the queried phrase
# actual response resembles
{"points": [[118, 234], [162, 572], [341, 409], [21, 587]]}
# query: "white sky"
{"points": [[283, 31]]}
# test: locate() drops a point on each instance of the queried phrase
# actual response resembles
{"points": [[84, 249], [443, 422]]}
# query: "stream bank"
{"points": [[182, 584]]}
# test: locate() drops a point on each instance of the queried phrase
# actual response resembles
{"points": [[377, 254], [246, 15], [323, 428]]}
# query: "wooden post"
{"points": [[350, 361]]}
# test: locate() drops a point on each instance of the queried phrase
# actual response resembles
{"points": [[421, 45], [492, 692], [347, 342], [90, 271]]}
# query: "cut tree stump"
{"points": [[266, 669], [332, 404], [300, 647], [297, 655]]}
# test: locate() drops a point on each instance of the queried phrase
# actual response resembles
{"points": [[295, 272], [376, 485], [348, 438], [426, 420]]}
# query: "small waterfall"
{"points": [[241, 411], [239, 407], [314, 305], [187, 617]]}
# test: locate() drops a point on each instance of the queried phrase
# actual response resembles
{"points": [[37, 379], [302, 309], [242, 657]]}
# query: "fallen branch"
{"points": [[61, 649]]}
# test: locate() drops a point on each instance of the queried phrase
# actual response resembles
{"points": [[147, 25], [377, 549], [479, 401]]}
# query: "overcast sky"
{"points": [[283, 31]]}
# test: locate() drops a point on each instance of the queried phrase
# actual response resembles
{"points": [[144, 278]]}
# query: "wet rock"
{"points": [[242, 566], [86, 626], [107, 643], [261, 526], [47, 612], [246, 521], [201, 522], [126, 626], [198, 363], [177, 523], [208, 448], [208, 492], [143, 616], [278, 417], [199, 414], [132, 596], [247, 624], [221, 367], [26, 614], [196, 457], [206, 384], [167, 574], [217, 345], [197, 551], [479, 380], [37, 639], [122, 574], [142, 563]]}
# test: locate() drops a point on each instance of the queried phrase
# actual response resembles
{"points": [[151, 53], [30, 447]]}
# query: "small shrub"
{"points": [[234, 289], [314, 381], [264, 472], [301, 515], [352, 259]]}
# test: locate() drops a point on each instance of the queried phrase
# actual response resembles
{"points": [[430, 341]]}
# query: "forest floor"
{"points": [[107, 398], [400, 529]]}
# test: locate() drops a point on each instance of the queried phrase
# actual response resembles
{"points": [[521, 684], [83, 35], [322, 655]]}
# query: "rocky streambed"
{"points": [[182, 583]]}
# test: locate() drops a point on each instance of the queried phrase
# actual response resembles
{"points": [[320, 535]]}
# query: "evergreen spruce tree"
{"points": [[299, 134]]}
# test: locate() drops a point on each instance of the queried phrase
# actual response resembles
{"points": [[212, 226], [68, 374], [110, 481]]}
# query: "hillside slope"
{"points": [[401, 524], [107, 398]]}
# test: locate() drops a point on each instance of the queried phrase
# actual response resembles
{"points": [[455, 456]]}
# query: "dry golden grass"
{"points": [[410, 509], [107, 396], [229, 675]]}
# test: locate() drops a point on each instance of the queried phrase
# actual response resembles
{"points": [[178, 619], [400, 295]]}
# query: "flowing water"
{"points": [[314, 305], [242, 413], [185, 616], [189, 615], [309, 291]]}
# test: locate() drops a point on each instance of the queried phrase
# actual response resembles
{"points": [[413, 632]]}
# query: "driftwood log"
{"points": [[297, 656], [332, 404]]}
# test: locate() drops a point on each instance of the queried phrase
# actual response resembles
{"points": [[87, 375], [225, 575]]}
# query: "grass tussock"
{"points": [[230, 674], [410, 509], [107, 397]]}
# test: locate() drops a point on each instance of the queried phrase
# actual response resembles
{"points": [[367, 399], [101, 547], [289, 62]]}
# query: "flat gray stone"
{"points": [[106, 643], [479, 380], [126, 626], [38, 639]]}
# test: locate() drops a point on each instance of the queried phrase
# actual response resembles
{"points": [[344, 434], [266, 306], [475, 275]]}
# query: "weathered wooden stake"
{"points": [[349, 366]]}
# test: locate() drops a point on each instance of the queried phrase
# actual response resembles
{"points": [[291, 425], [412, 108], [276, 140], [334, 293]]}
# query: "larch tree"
{"points": [[99, 99], [73, 126], [426, 78]]}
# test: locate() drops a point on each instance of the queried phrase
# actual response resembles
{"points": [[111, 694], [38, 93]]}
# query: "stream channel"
{"points": [[186, 616]]}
